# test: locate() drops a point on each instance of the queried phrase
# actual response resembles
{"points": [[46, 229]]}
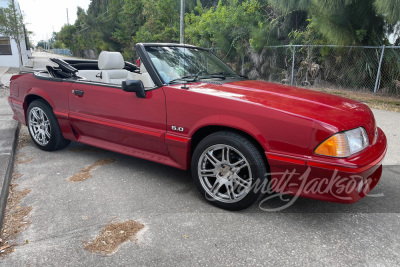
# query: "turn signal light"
{"points": [[344, 144], [335, 146]]}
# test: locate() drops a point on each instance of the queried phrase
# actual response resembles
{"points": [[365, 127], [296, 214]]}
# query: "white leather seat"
{"points": [[90, 75], [166, 72], [144, 76], [111, 65]]}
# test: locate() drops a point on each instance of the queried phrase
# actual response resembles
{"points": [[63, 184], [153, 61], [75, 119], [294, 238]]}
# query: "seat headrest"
{"points": [[111, 61]]}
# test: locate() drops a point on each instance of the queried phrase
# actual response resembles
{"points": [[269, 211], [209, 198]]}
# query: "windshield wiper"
{"points": [[195, 77], [211, 76], [219, 75], [192, 78], [224, 74]]}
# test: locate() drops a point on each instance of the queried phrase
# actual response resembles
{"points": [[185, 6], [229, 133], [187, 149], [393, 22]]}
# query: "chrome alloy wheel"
{"points": [[39, 126], [224, 173]]}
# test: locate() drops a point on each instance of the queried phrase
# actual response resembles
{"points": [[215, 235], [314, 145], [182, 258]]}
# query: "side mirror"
{"points": [[134, 86]]}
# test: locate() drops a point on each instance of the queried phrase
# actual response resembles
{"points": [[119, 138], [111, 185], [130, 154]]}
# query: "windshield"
{"points": [[178, 64]]}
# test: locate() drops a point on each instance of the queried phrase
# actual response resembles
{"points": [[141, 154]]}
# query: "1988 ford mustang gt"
{"points": [[185, 108]]}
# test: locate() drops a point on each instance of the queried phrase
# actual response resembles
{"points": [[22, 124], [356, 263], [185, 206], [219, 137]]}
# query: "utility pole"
{"points": [[67, 17], [17, 40], [182, 35]]}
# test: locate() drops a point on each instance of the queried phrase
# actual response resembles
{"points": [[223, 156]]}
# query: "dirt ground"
{"points": [[384, 102], [17, 218], [113, 235]]}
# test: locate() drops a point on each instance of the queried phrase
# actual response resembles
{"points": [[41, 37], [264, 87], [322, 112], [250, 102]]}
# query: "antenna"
{"points": [[67, 17], [182, 21]]}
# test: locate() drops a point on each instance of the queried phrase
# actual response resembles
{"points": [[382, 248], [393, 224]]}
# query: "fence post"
{"points": [[294, 50], [242, 70], [379, 70]]}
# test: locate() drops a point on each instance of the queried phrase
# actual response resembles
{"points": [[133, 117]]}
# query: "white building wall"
{"points": [[13, 60]]}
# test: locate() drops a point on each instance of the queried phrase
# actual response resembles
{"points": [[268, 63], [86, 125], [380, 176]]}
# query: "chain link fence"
{"points": [[65, 52], [361, 68]]}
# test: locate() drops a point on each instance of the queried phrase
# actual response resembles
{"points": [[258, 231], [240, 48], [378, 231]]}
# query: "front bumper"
{"points": [[328, 179]]}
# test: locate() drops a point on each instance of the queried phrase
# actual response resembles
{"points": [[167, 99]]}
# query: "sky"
{"points": [[42, 16]]}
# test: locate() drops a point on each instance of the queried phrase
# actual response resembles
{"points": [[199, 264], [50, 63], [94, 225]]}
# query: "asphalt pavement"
{"points": [[181, 228]]}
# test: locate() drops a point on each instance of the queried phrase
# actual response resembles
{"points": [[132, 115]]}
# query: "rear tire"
{"points": [[226, 167], [44, 128]]}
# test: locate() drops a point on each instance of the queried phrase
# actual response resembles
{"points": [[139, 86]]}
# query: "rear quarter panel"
{"points": [[54, 92]]}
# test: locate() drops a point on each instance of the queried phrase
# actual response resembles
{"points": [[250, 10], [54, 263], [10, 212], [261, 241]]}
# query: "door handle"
{"points": [[78, 92]]}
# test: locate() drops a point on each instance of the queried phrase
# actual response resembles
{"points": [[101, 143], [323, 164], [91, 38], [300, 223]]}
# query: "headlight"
{"points": [[344, 144]]}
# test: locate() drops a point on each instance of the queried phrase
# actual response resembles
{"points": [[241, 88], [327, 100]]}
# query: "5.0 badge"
{"points": [[176, 128]]}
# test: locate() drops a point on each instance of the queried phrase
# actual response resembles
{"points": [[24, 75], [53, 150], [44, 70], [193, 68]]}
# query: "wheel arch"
{"points": [[35, 94], [205, 131]]}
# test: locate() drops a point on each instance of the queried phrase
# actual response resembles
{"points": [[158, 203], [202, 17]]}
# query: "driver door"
{"points": [[106, 116]]}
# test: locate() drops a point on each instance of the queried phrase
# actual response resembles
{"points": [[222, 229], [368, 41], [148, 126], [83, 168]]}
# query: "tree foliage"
{"points": [[231, 27], [390, 9]]}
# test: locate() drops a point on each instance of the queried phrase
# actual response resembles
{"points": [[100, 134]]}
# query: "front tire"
{"points": [[44, 128], [228, 170]]}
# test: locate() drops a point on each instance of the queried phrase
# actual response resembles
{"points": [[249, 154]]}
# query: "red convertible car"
{"points": [[185, 108]]}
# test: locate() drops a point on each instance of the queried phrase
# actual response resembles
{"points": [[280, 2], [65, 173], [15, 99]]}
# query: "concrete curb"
{"points": [[8, 176], [29, 63], [3, 70]]}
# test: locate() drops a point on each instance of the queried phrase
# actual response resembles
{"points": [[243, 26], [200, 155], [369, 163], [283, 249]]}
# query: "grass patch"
{"points": [[372, 100]]}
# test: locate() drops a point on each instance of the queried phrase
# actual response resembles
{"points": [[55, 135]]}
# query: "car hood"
{"points": [[340, 112]]}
